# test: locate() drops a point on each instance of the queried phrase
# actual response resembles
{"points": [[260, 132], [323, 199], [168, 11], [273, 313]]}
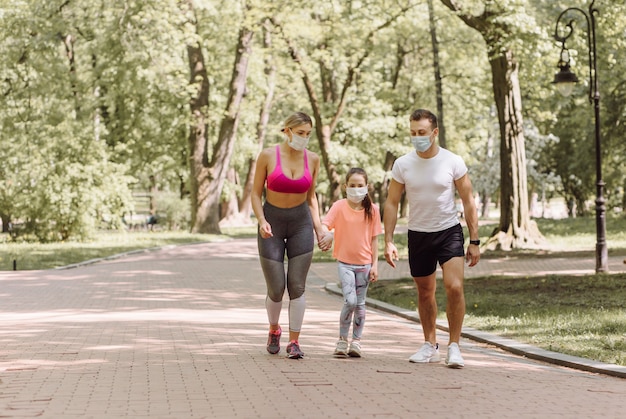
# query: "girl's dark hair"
{"points": [[367, 202]]}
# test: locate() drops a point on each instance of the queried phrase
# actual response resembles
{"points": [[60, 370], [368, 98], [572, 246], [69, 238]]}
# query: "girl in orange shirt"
{"points": [[356, 224]]}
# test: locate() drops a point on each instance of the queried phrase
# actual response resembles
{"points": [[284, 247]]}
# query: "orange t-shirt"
{"points": [[353, 232]]}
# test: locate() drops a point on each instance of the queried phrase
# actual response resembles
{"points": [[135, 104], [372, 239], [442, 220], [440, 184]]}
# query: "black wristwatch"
{"points": [[476, 242]]}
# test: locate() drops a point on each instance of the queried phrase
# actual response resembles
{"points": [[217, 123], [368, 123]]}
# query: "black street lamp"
{"points": [[565, 80]]}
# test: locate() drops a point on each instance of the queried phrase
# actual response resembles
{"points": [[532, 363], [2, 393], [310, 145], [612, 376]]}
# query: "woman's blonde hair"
{"points": [[297, 119]]}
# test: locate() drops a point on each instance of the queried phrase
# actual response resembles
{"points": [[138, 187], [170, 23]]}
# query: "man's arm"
{"points": [[464, 188], [390, 218]]}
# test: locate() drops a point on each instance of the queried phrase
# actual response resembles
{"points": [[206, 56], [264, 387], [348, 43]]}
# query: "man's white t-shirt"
{"points": [[430, 189]]}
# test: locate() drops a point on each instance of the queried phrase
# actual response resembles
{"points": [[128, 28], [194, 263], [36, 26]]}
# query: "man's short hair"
{"points": [[424, 114]]}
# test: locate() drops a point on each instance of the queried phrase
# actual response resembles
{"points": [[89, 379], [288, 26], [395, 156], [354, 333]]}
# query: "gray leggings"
{"points": [[354, 283], [292, 230]]}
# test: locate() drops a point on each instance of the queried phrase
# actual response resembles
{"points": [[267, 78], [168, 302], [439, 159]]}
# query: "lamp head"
{"points": [[565, 79]]}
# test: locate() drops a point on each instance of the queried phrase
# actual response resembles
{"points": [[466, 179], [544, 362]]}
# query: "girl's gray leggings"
{"points": [[354, 283]]}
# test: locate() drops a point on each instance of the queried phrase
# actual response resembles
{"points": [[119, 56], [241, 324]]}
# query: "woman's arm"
{"points": [[260, 174], [312, 199]]}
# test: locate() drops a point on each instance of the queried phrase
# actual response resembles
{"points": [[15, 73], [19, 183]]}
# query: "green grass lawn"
{"points": [[583, 316], [28, 256], [32, 256], [578, 315]]}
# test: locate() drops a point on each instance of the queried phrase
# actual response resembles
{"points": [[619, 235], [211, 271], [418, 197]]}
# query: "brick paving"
{"points": [[180, 333]]}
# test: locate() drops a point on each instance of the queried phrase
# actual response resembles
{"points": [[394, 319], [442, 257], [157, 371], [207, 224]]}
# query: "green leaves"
{"points": [[94, 95]]}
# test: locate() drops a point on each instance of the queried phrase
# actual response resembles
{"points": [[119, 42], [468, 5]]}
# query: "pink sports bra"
{"points": [[278, 182]]}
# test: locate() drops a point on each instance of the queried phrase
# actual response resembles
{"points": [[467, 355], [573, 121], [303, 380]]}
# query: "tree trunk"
{"points": [[207, 177], [6, 221], [323, 131], [229, 209], [401, 53], [485, 201], [437, 69], [154, 190], [383, 188], [516, 229], [334, 96], [245, 206], [199, 182], [68, 42]]}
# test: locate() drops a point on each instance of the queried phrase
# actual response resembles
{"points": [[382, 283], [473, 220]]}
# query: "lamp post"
{"points": [[565, 80]]}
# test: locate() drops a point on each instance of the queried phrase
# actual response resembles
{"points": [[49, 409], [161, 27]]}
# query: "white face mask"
{"points": [[356, 195], [421, 143], [297, 142]]}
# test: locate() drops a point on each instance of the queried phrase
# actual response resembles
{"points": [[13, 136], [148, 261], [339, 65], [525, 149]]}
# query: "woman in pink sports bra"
{"points": [[287, 220]]}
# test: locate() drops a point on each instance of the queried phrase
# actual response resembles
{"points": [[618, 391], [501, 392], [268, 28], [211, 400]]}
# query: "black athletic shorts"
{"points": [[426, 249]]}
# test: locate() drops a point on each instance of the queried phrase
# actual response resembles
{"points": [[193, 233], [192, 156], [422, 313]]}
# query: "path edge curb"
{"points": [[506, 344]]}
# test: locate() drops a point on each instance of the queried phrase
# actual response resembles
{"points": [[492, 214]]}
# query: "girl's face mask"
{"points": [[356, 195]]}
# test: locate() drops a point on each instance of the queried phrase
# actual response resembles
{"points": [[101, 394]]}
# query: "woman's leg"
{"points": [[296, 281], [271, 256], [274, 272], [300, 241]]}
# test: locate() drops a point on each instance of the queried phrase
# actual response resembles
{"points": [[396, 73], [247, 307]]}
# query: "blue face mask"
{"points": [[421, 143]]}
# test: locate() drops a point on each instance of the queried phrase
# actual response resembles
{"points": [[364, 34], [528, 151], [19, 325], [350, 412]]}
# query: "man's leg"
{"points": [[453, 271], [427, 305]]}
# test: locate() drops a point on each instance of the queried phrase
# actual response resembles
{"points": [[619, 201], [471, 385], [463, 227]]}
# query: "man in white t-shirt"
{"points": [[430, 176]]}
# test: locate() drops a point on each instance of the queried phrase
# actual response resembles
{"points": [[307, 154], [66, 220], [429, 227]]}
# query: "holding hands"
{"points": [[326, 241]]}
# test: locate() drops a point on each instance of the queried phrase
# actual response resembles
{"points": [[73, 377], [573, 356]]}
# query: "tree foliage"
{"points": [[97, 98]]}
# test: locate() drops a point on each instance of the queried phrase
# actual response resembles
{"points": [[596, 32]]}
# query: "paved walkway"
{"points": [[180, 333]]}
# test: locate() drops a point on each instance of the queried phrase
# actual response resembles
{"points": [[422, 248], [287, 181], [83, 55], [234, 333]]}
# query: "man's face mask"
{"points": [[421, 143]]}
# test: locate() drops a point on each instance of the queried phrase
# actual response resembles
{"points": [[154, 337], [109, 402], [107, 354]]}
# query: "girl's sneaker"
{"points": [[273, 341], [342, 348], [355, 349], [293, 350]]}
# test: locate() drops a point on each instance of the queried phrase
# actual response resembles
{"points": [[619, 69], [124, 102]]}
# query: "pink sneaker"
{"points": [[273, 341], [293, 350]]}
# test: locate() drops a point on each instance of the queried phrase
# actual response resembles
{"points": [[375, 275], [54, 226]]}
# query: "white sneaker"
{"points": [[342, 348], [355, 349], [454, 358], [427, 353]]}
